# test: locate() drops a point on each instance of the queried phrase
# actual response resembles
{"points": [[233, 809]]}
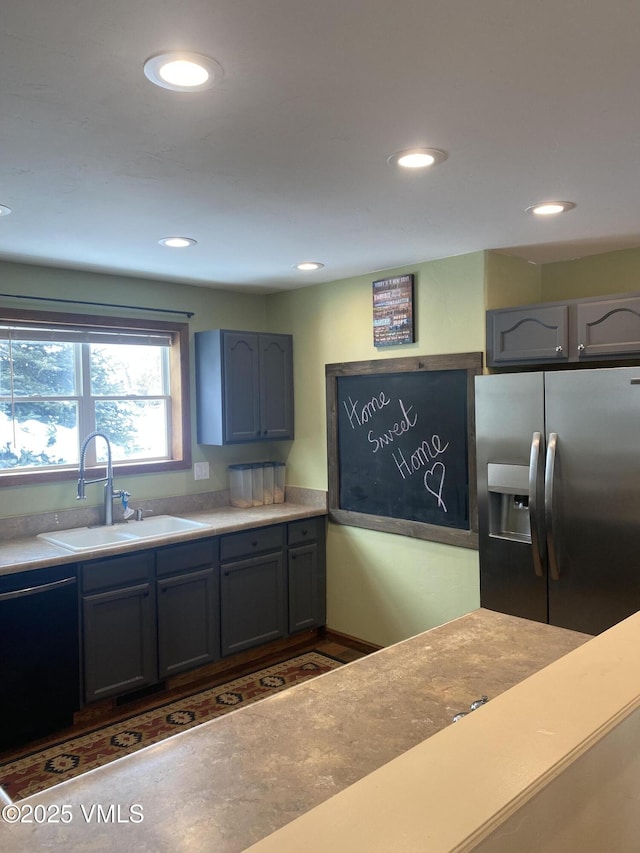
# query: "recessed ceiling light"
{"points": [[177, 242], [550, 208], [183, 72], [309, 266], [4, 210], [417, 158]]}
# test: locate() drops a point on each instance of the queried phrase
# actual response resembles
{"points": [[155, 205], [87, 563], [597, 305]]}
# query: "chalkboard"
{"points": [[401, 446]]}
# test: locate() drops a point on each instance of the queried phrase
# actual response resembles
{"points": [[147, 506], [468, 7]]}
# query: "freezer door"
{"points": [[595, 496], [509, 413]]}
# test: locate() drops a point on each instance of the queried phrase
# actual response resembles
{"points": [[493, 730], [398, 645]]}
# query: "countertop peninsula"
{"points": [[228, 783]]}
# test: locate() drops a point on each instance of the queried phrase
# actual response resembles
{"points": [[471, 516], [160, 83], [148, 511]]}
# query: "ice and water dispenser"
{"points": [[508, 487]]}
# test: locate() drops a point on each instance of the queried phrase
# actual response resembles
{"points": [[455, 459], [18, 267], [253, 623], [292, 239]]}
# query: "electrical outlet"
{"points": [[200, 470]]}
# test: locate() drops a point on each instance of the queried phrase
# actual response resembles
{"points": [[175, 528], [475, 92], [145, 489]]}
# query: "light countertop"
{"points": [[229, 783], [24, 554]]}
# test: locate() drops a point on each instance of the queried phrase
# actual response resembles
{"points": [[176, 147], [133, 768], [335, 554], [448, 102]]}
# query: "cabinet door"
{"points": [[276, 387], [608, 328], [307, 574], [187, 621], [241, 387], [535, 333], [252, 602], [303, 588], [119, 641]]}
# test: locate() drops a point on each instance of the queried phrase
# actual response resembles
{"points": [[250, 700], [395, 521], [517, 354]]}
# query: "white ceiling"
{"points": [[286, 159]]}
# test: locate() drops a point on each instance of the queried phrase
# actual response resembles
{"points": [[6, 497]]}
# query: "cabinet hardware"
{"points": [[559, 348], [580, 347]]}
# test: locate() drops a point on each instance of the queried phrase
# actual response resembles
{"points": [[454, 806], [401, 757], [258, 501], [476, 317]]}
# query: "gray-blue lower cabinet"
{"points": [[187, 621], [253, 588], [118, 625], [306, 573], [272, 583], [148, 615], [151, 614]]}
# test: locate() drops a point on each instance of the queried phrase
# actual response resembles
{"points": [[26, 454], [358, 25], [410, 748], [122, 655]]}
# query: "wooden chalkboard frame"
{"points": [[472, 363]]}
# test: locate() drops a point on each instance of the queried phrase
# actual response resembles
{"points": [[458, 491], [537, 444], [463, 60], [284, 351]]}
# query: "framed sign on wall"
{"points": [[393, 311]]}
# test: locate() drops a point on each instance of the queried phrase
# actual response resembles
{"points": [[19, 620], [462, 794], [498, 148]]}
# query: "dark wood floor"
{"points": [[108, 711]]}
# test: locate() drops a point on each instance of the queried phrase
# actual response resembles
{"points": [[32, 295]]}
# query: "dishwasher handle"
{"points": [[35, 590]]}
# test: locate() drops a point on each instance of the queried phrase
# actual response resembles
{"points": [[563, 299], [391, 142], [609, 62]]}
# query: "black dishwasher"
{"points": [[39, 653]]}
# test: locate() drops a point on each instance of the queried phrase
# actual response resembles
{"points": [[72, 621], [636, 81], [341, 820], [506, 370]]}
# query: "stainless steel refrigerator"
{"points": [[558, 456]]}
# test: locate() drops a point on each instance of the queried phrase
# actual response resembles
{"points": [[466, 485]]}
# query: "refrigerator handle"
{"points": [[549, 478], [534, 466]]}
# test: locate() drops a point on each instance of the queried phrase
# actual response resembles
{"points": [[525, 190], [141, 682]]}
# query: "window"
{"points": [[63, 376]]}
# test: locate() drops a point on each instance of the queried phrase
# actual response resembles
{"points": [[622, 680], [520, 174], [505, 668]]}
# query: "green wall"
{"points": [[596, 275], [381, 587], [511, 281]]}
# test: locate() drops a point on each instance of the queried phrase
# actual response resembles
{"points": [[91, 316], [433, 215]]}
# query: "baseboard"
{"points": [[347, 640]]}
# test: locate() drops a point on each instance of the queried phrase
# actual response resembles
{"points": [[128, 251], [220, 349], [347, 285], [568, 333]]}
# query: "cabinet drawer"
{"points": [[249, 542], [117, 571], [303, 531], [185, 557]]}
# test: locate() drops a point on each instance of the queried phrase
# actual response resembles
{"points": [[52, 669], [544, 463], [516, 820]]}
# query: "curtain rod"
{"points": [[98, 304]]}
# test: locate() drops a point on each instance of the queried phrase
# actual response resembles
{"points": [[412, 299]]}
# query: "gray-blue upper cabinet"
{"points": [[532, 333], [607, 328], [596, 329], [244, 386]]}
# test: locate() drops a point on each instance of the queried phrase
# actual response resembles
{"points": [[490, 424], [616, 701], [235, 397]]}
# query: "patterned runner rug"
{"points": [[40, 770]]}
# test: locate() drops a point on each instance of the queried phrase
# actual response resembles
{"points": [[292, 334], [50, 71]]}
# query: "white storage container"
{"points": [[267, 474], [257, 483], [279, 469], [241, 485]]}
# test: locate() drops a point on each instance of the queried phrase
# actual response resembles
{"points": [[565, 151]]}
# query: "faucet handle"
{"points": [[124, 496], [139, 513]]}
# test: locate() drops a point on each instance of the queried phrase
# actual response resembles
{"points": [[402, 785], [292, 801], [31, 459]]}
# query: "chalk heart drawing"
{"points": [[434, 482]]}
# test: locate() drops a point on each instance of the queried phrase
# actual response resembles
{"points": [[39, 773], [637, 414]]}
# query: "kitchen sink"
{"points": [[161, 525], [88, 538], [94, 538]]}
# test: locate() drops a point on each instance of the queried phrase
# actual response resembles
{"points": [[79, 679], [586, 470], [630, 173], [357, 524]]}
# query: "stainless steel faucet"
{"points": [[109, 494]]}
